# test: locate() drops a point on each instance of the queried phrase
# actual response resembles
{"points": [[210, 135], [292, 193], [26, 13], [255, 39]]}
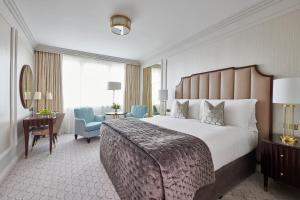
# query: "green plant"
{"points": [[115, 106]]}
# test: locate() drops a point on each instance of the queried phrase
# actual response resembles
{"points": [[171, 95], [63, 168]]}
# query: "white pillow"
{"points": [[239, 112], [194, 107]]}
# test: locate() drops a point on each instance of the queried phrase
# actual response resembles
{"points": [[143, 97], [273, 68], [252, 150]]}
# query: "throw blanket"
{"points": [[145, 161]]}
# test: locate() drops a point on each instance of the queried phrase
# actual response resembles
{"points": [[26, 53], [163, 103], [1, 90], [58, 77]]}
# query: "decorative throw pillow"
{"points": [[194, 107], [180, 110], [213, 114]]}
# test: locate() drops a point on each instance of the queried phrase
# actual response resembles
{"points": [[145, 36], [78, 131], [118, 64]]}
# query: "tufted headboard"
{"points": [[233, 83]]}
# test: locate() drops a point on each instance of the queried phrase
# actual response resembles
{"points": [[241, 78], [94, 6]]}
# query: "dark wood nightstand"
{"points": [[280, 161]]}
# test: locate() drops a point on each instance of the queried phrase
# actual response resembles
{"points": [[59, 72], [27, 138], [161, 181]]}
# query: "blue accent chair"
{"points": [[155, 110], [138, 111], [87, 124]]}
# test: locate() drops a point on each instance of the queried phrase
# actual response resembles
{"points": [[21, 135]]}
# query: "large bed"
{"points": [[169, 158]]}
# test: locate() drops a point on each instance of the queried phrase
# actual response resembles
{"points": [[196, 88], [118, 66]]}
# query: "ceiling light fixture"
{"points": [[120, 24]]}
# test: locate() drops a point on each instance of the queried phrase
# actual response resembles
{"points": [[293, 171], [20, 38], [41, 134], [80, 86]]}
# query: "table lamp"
{"points": [[49, 97], [37, 96], [163, 97], [113, 86], [286, 92]]}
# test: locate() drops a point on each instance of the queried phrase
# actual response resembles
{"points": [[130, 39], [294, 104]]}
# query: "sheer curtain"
{"points": [[156, 85], [84, 84]]}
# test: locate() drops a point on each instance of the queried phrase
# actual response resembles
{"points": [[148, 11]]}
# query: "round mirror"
{"points": [[26, 86]]}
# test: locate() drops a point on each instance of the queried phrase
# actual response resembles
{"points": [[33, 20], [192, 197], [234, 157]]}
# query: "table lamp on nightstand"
{"points": [[287, 92], [163, 97]]}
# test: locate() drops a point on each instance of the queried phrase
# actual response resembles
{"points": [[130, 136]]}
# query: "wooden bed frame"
{"points": [[232, 83]]}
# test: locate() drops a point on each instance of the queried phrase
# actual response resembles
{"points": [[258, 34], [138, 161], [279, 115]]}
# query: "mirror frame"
{"points": [[21, 87]]}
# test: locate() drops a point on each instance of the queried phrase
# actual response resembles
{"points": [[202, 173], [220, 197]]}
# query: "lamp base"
{"points": [[288, 139]]}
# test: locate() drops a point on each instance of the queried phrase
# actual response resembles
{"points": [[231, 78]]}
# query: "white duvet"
{"points": [[226, 143]]}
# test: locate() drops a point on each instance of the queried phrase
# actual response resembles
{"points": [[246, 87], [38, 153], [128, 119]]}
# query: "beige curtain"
{"points": [[132, 86], [48, 73], [147, 89]]}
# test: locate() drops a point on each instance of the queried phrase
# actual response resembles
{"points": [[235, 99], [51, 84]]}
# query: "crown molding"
{"points": [[256, 14], [18, 17], [52, 49]]}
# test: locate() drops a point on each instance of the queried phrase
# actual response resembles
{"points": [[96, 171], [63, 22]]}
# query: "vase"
{"points": [[116, 110]]}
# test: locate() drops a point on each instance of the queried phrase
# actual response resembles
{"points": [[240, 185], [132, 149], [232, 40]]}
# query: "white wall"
{"points": [[273, 45], [25, 56], [11, 110], [5, 86]]}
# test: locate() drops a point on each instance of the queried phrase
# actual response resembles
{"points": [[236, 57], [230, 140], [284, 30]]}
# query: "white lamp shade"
{"points": [[37, 96], [163, 95], [27, 96], [286, 91], [114, 85], [49, 96]]}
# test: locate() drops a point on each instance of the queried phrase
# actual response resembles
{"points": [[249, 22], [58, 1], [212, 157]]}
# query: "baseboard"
{"points": [[11, 158], [4, 173]]}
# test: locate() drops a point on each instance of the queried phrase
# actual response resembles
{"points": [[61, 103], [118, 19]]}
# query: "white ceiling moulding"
{"points": [[256, 14], [71, 52], [17, 15]]}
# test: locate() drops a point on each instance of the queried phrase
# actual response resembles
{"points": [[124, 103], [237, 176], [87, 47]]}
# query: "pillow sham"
{"points": [[239, 112], [180, 110], [194, 107], [213, 114]]}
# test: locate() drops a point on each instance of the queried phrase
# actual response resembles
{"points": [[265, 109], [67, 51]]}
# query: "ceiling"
{"points": [[156, 24]]}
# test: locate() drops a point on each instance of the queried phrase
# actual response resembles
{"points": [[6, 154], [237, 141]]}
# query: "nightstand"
{"points": [[280, 161]]}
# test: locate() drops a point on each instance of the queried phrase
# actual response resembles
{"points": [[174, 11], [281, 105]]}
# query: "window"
{"points": [[85, 84]]}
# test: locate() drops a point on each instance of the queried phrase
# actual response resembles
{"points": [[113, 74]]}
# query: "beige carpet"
{"points": [[74, 171]]}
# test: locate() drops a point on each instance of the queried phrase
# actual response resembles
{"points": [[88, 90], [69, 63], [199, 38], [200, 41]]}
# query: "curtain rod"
{"points": [[51, 49]]}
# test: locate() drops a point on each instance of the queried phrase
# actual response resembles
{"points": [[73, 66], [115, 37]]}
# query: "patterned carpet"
{"points": [[74, 171]]}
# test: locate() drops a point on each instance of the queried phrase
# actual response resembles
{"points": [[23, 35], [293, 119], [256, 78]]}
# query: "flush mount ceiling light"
{"points": [[120, 24]]}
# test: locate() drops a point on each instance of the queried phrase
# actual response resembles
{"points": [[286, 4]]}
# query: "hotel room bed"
{"points": [[226, 143], [129, 155]]}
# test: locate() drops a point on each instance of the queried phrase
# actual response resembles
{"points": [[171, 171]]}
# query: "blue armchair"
{"points": [[87, 124], [138, 111], [155, 110]]}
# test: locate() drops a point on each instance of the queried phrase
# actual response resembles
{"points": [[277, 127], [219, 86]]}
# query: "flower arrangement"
{"points": [[116, 107]]}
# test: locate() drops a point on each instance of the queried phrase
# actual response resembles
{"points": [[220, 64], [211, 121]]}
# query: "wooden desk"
{"points": [[38, 121]]}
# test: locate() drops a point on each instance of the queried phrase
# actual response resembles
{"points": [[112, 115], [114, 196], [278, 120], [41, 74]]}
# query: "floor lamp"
{"points": [[114, 86], [286, 93]]}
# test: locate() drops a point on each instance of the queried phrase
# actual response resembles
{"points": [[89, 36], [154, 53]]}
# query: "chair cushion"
{"points": [[138, 111], [86, 113], [91, 126]]}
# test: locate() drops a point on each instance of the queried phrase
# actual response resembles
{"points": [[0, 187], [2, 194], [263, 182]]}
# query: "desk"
{"points": [[116, 115], [37, 121]]}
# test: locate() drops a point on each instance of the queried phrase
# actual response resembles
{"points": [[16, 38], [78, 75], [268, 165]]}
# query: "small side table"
{"points": [[116, 115], [280, 161]]}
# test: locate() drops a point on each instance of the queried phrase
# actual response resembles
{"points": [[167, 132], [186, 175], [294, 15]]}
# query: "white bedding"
{"points": [[226, 143]]}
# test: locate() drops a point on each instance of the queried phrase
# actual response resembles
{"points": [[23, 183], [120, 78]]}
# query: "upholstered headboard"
{"points": [[233, 83]]}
